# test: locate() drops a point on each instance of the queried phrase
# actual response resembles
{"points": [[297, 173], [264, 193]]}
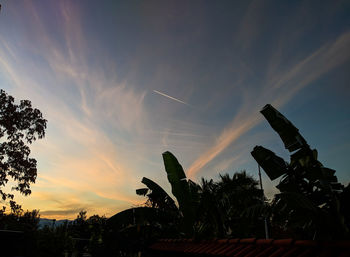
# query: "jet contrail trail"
{"points": [[168, 96]]}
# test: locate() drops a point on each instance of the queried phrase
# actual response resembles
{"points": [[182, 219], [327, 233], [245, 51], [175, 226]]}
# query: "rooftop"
{"points": [[250, 247]]}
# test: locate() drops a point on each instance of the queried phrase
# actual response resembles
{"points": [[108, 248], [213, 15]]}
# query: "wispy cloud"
{"points": [[77, 154], [231, 133], [278, 90]]}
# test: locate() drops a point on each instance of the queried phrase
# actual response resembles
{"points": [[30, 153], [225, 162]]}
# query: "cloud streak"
{"points": [[279, 89], [77, 154], [170, 97]]}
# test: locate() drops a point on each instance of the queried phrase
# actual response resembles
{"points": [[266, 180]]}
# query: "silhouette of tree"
{"points": [[222, 204], [157, 197], [22, 241], [209, 213], [210, 209], [20, 125], [311, 202]]}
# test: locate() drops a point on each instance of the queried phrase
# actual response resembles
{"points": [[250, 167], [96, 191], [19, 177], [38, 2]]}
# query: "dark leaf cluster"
{"points": [[311, 203], [20, 125]]}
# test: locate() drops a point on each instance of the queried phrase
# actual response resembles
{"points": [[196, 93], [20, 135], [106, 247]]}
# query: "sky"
{"points": [[121, 82]]}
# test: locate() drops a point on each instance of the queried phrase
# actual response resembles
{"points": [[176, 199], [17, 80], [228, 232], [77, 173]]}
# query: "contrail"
{"points": [[168, 96]]}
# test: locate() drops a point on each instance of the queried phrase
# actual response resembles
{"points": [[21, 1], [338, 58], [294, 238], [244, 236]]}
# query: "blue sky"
{"points": [[99, 72]]}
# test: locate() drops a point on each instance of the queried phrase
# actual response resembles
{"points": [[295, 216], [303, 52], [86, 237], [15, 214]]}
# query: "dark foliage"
{"points": [[218, 207], [25, 238], [311, 203], [20, 125], [18, 229]]}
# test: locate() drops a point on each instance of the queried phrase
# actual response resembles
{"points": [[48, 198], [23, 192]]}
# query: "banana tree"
{"points": [[303, 178], [211, 209], [184, 190], [157, 196]]}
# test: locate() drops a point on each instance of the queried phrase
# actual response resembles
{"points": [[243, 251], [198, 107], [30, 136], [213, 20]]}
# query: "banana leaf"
{"points": [[142, 191], [158, 194], [180, 189], [273, 165], [286, 130]]}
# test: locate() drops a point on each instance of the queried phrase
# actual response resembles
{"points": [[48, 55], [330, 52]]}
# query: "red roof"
{"points": [[250, 247]]}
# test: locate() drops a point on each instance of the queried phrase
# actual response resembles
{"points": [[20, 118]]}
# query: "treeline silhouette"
{"points": [[219, 210], [230, 207], [22, 235]]}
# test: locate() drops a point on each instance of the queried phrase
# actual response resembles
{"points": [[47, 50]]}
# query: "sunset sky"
{"points": [[120, 82]]}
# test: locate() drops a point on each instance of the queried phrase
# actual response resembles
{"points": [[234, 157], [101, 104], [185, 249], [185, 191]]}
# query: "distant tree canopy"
{"points": [[20, 125]]}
